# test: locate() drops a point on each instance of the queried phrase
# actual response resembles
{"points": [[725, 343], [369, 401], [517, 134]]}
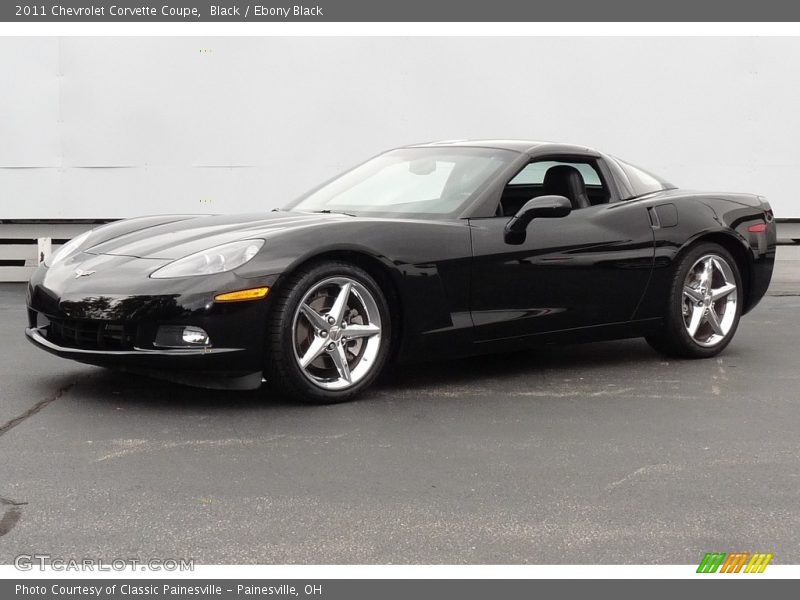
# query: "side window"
{"points": [[586, 189], [533, 174]]}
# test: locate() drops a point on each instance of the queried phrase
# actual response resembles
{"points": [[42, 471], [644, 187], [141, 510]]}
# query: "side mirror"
{"points": [[543, 207]]}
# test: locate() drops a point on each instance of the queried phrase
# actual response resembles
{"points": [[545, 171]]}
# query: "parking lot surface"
{"points": [[600, 453]]}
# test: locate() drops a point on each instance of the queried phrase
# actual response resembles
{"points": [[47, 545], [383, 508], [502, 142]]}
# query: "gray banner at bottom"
{"points": [[408, 589]]}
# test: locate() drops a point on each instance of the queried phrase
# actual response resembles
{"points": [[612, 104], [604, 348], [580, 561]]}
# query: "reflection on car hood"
{"points": [[175, 240]]}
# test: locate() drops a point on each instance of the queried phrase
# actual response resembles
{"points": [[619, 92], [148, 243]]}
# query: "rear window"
{"points": [[641, 182]]}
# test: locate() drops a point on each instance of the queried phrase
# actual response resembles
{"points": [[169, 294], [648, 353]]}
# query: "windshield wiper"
{"points": [[328, 211]]}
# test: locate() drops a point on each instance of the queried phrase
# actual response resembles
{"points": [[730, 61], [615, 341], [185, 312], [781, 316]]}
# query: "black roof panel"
{"points": [[522, 146]]}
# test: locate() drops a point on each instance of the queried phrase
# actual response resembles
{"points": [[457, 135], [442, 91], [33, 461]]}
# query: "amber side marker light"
{"points": [[241, 295]]}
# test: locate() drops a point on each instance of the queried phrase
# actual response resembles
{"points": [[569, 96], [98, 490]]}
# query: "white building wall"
{"points": [[118, 127]]}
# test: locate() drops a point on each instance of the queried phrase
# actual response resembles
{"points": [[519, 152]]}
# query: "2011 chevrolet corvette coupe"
{"points": [[436, 250]]}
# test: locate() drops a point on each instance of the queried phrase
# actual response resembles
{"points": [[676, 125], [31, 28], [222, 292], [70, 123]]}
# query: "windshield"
{"points": [[409, 181]]}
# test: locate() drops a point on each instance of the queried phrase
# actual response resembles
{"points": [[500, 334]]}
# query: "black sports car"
{"points": [[436, 250]]}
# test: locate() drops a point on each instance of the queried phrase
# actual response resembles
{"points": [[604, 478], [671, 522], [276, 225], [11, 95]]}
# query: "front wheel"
{"points": [[328, 334], [704, 305]]}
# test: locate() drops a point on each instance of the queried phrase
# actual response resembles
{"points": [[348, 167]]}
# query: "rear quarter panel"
{"points": [[720, 218]]}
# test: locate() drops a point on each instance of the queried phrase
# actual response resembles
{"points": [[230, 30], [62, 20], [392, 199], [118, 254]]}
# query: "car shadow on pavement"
{"points": [[130, 388], [567, 357], [103, 385]]}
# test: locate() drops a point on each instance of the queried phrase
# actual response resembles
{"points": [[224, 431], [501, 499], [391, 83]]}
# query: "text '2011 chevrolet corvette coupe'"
{"points": [[437, 250]]}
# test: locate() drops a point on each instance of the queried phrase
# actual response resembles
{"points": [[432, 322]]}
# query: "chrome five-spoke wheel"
{"points": [[705, 302], [336, 333], [329, 332], [709, 300]]}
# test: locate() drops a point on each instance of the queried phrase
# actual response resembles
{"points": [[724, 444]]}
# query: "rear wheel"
{"points": [[328, 333], [704, 304]]}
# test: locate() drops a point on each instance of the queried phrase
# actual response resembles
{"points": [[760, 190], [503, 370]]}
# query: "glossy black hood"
{"points": [[176, 239]]}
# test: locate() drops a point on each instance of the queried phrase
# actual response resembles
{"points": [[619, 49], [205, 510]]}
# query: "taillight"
{"points": [[757, 228]]}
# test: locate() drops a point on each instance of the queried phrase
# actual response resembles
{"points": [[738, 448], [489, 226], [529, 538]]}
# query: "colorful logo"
{"points": [[736, 562]]}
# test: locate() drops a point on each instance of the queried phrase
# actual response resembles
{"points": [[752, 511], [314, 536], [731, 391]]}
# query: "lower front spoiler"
{"points": [[214, 368]]}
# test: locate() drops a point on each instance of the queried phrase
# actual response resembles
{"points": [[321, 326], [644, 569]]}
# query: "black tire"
{"points": [[674, 339], [282, 369]]}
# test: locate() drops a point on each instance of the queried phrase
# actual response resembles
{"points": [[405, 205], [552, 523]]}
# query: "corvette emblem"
{"points": [[82, 273]]}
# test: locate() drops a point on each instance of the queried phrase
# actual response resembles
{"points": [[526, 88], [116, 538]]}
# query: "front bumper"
{"points": [[218, 368], [96, 322]]}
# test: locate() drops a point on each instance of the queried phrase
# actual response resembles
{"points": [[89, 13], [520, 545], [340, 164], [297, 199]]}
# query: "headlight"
{"points": [[214, 260], [69, 248]]}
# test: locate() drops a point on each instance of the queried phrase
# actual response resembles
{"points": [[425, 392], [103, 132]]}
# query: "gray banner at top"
{"points": [[407, 10]]}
